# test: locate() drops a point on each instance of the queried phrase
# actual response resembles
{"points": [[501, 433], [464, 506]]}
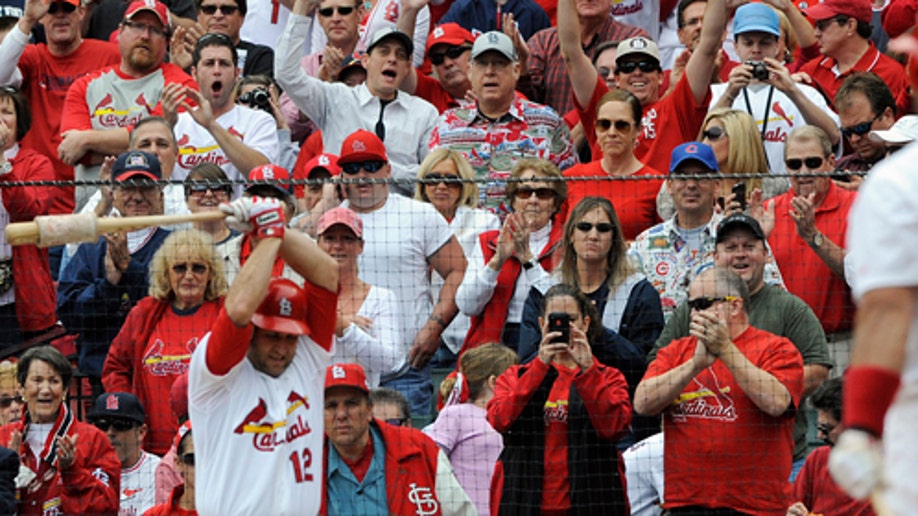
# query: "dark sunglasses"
{"points": [[451, 52], [860, 129], [604, 124], [188, 458], [810, 162], [713, 133], [542, 193], [826, 429], [6, 402], [435, 178], [397, 421], [371, 167], [120, 425], [705, 302], [821, 25], [586, 227], [67, 7], [345, 10], [196, 268], [631, 66], [227, 10], [199, 190]]}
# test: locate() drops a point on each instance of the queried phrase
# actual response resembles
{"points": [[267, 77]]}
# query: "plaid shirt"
{"points": [[527, 130], [548, 81]]}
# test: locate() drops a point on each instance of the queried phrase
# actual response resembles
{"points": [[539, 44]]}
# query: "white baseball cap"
{"points": [[905, 130]]}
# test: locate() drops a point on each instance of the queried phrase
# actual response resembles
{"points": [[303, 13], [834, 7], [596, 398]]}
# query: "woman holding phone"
{"points": [[568, 408]]}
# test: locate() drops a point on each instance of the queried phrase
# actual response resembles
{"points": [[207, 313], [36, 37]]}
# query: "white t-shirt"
{"points": [[398, 239], [254, 127], [644, 472], [138, 486], [882, 229], [783, 116], [379, 350], [258, 439]]}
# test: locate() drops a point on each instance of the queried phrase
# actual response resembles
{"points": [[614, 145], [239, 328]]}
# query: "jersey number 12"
{"points": [[301, 466]]}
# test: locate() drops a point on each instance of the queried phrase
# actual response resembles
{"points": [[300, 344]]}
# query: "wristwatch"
{"points": [[817, 241], [530, 263]]}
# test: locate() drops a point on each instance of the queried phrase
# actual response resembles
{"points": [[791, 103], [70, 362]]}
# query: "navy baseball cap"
{"points": [[756, 18], [696, 151], [11, 8], [739, 220], [137, 165], [118, 405]]}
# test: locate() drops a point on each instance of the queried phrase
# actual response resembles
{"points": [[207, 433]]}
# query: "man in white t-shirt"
{"points": [[237, 138], [121, 416], [777, 103]]}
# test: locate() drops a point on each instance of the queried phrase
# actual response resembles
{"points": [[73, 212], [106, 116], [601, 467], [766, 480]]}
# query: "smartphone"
{"points": [[560, 322], [739, 194]]}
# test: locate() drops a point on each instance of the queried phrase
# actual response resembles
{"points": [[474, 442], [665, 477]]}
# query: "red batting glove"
{"points": [[267, 218]]}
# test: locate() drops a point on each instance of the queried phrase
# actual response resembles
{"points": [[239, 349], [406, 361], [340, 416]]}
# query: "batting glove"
{"points": [[267, 217], [856, 463], [238, 214]]}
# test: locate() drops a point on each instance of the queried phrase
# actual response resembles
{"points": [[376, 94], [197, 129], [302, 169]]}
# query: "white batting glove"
{"points": [[856, 463], [238, 214], [267, 217]]}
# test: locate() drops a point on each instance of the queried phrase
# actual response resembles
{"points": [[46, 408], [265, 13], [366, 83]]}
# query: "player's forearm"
{"points": [[770, 395], [310, 262], [881, 327], [251, 284], [655, 394]]}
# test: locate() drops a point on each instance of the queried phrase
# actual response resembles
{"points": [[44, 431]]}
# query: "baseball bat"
{"points": [[52, 230]]}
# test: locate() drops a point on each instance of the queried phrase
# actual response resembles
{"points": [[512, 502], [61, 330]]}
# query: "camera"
{"points": [[257, 99], [759, 70], [560, 322]]}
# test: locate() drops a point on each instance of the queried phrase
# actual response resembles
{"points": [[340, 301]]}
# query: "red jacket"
{"points": [[171, 508], [489, 324], [90, 486], [36, 297]]}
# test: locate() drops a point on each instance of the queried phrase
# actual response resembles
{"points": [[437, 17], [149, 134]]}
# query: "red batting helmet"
{"points": [[283, 309]]}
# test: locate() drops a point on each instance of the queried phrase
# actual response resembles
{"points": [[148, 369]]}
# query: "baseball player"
{"points": [[256, 380], [870, 457]]}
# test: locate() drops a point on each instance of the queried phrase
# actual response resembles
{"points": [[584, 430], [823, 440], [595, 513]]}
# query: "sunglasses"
{"points": [[120, 425], [61, 6], [604, 71], [371, 167], [6, 402], [630, 66], [860, 129], [705, 302], [811, 163], [227, 10], [604, 124], [196, 268], [434, 179], [586, 227], [200, 190], [327, 12], [713, 133], [397, 421], [188, 459], [451, 52], [543, 193], [821, 25], [826, 429]]}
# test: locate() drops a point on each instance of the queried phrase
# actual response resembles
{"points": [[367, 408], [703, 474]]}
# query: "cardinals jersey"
{"points": [[258, 439]]}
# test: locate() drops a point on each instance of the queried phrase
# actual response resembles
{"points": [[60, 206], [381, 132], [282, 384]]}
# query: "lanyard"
{"points": [[771, 91]]}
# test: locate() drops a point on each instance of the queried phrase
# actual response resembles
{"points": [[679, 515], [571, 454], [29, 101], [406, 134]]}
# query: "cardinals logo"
{"points": [[106, 101], [158, 363], [267, 434], [705, 402]]}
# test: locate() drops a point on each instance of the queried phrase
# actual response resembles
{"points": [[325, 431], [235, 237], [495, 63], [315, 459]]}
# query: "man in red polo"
{"points": [[843, 31]]}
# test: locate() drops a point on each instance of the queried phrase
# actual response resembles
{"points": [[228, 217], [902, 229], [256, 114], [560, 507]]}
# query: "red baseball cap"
{"points": [[362, 145], [340, 215], [325, 161], [157, 8], [346, 375], [450, 34], [858, 9], [271, 173]]}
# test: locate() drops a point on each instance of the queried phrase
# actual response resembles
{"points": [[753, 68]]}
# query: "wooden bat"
{"points": [[52, 230]]}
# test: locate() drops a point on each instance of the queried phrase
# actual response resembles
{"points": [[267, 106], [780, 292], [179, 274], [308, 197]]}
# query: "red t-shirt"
{"points": [[432, 91], [668, 123], [635, 201], [820, 494], [720, 449], [45, 80], [805, 274]]}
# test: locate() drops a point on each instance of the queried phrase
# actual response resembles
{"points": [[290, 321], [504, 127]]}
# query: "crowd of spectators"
{"points": [[620, 228]]}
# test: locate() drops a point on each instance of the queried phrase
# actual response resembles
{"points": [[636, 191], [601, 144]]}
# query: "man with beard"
{"points": [[101, 106], [235, 137]]}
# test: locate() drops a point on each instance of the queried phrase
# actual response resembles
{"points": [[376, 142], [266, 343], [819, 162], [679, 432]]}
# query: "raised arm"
{"points": [[407, 19], [701, 65], [579, 67]]}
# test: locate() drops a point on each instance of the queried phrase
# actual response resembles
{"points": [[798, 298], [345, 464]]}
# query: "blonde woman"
{"points": [[10, 398]]}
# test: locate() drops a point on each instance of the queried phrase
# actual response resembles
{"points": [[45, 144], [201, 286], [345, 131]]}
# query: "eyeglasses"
{"points": [[586, 227], [630, 66], [200, 190], [371, 167], [397, 421], [705, 302], [826, 429], [196, 268], [120, 425], [543, 193], [860, 129], [7, 401], [821, 25], [452, 52], [188, 459], [343, 10], [811, 163], [227, 10], [604, 124], [67, 7], [140, 28], [713, 133], [435, 178]]}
